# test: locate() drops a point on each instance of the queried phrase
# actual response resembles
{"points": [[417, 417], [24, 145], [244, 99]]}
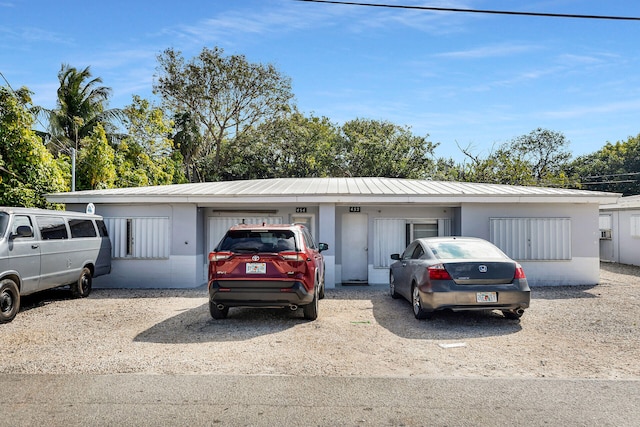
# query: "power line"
{"points": [[494, 12]]}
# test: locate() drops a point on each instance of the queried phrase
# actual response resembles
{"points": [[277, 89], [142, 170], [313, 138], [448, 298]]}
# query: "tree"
{"points": [[613, 168], [81, 106], [27, 170], [538, 158], [96, 162], [188, 141], [225, 96], [380, 148], [146, 155], [289, 146]]}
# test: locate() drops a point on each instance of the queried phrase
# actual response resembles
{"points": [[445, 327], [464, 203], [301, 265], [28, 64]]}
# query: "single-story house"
{"points": [[162, 235], [620, 231]]}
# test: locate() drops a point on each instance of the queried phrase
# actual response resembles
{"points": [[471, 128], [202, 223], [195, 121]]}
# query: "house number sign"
{"points": [[354, 209], [301, 210]]}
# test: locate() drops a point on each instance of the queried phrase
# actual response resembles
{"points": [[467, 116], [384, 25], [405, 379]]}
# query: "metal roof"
{"points": [[336, 190], [629, 202]]}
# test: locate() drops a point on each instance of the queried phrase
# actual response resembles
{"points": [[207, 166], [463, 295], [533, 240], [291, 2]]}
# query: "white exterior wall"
{"points": [[179, 270], [584, 266], [186, 266], [624, 247]]}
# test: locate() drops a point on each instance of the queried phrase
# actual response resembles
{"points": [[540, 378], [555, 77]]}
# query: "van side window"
{"points": [[52, 228], [18, 221], [102, 228], [82, 228]]}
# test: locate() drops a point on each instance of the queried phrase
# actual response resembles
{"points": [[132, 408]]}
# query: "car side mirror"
{"points": [[23, 231], [395, 256], [323, 247]]}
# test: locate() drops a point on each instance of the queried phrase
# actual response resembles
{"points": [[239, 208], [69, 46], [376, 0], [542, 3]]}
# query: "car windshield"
{"points": [[465, 250], [4, 221], [249, 241]]}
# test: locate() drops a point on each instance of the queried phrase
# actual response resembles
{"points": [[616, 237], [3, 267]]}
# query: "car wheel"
{"points": [[217, 312], [416, 302], [9, 300], [82, 287], [310, 310], [512, 314], [392, 287]]}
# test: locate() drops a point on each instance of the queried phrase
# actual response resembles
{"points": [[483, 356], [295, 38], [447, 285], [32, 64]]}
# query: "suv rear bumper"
{"points": [[238, 293]]}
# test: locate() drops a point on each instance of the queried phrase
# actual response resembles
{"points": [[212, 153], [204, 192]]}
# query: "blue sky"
{"points": [[468, 80]]}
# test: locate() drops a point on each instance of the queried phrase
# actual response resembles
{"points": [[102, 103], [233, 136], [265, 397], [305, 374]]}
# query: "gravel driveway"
{"points": [[569, 332]]}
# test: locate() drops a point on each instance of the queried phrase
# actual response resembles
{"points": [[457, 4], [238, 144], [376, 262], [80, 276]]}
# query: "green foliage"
{"points": [[95, 164], [225, 97], [27, 169], [81, 106], [289, 146], [614, 168], [537, 158], [379, 148], [146, 156]]}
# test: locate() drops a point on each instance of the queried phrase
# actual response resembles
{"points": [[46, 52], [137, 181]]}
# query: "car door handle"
{"points": [[404, 264], [35, 246]]}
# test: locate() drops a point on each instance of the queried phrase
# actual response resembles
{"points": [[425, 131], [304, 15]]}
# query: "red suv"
{"points": [[266, 266]]}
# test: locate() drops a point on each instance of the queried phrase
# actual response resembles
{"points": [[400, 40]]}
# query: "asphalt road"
{"points": [[212, 400]]}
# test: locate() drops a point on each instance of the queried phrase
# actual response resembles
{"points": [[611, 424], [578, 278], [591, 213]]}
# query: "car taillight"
{"points": [[519, 272], [219, 256], [293, 256], [438, 272]]}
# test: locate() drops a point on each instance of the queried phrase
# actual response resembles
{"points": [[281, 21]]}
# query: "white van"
{"points": [[43, 249]]}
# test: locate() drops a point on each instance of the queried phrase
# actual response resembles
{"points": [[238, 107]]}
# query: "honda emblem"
{"points": [[255, 258]]}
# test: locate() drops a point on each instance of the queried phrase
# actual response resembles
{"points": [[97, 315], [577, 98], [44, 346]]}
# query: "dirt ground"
{"points": [[568, 332]]}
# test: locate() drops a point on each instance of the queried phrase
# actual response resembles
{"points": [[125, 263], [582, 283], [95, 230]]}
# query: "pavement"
{"points": [[239, 400]]}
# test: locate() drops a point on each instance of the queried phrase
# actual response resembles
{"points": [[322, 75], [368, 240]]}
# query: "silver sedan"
{"points": [[458, 273]]}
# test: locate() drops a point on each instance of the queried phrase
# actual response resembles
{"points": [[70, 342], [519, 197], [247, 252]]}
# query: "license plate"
{"points": [[256, 268], [486, 297]]}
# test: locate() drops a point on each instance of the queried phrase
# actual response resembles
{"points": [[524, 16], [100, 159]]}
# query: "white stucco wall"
{"points": [[584, 266], [623, 247]]}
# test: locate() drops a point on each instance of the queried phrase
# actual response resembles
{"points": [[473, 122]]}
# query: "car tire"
{"points": [[416, 303], [82, 287], [310, 311], [392, 287], [216, 312], [9, 300]]}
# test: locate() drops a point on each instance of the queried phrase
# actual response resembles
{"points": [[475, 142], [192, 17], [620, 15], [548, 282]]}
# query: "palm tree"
{"points": [[81, 106]]}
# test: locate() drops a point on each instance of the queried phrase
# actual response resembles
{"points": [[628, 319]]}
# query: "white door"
{"points": [[354, 248]]}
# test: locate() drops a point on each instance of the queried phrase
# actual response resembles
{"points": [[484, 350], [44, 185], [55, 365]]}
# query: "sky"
{"points": [[464, 80]]}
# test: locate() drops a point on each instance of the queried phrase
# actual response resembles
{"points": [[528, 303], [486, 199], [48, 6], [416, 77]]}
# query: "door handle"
{"points": [[404, 264], [35, 246]]}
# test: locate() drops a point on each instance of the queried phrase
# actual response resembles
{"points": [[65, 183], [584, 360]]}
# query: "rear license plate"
{"points": [[486, 297], [256, 268]]}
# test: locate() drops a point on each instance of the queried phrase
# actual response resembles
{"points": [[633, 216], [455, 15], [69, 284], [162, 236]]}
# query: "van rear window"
{"points": [[82, 228]]}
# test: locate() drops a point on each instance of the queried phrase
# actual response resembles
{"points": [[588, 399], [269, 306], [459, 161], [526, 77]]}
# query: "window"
{"points": [[143, 238], [82, 228], [20, 220], [532, 238], [418, 230], [605, 227], [52, 228], [102, 228]]}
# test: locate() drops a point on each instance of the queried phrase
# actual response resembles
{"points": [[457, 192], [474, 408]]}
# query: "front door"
{"points": [[24, 255], [354, 248]]}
